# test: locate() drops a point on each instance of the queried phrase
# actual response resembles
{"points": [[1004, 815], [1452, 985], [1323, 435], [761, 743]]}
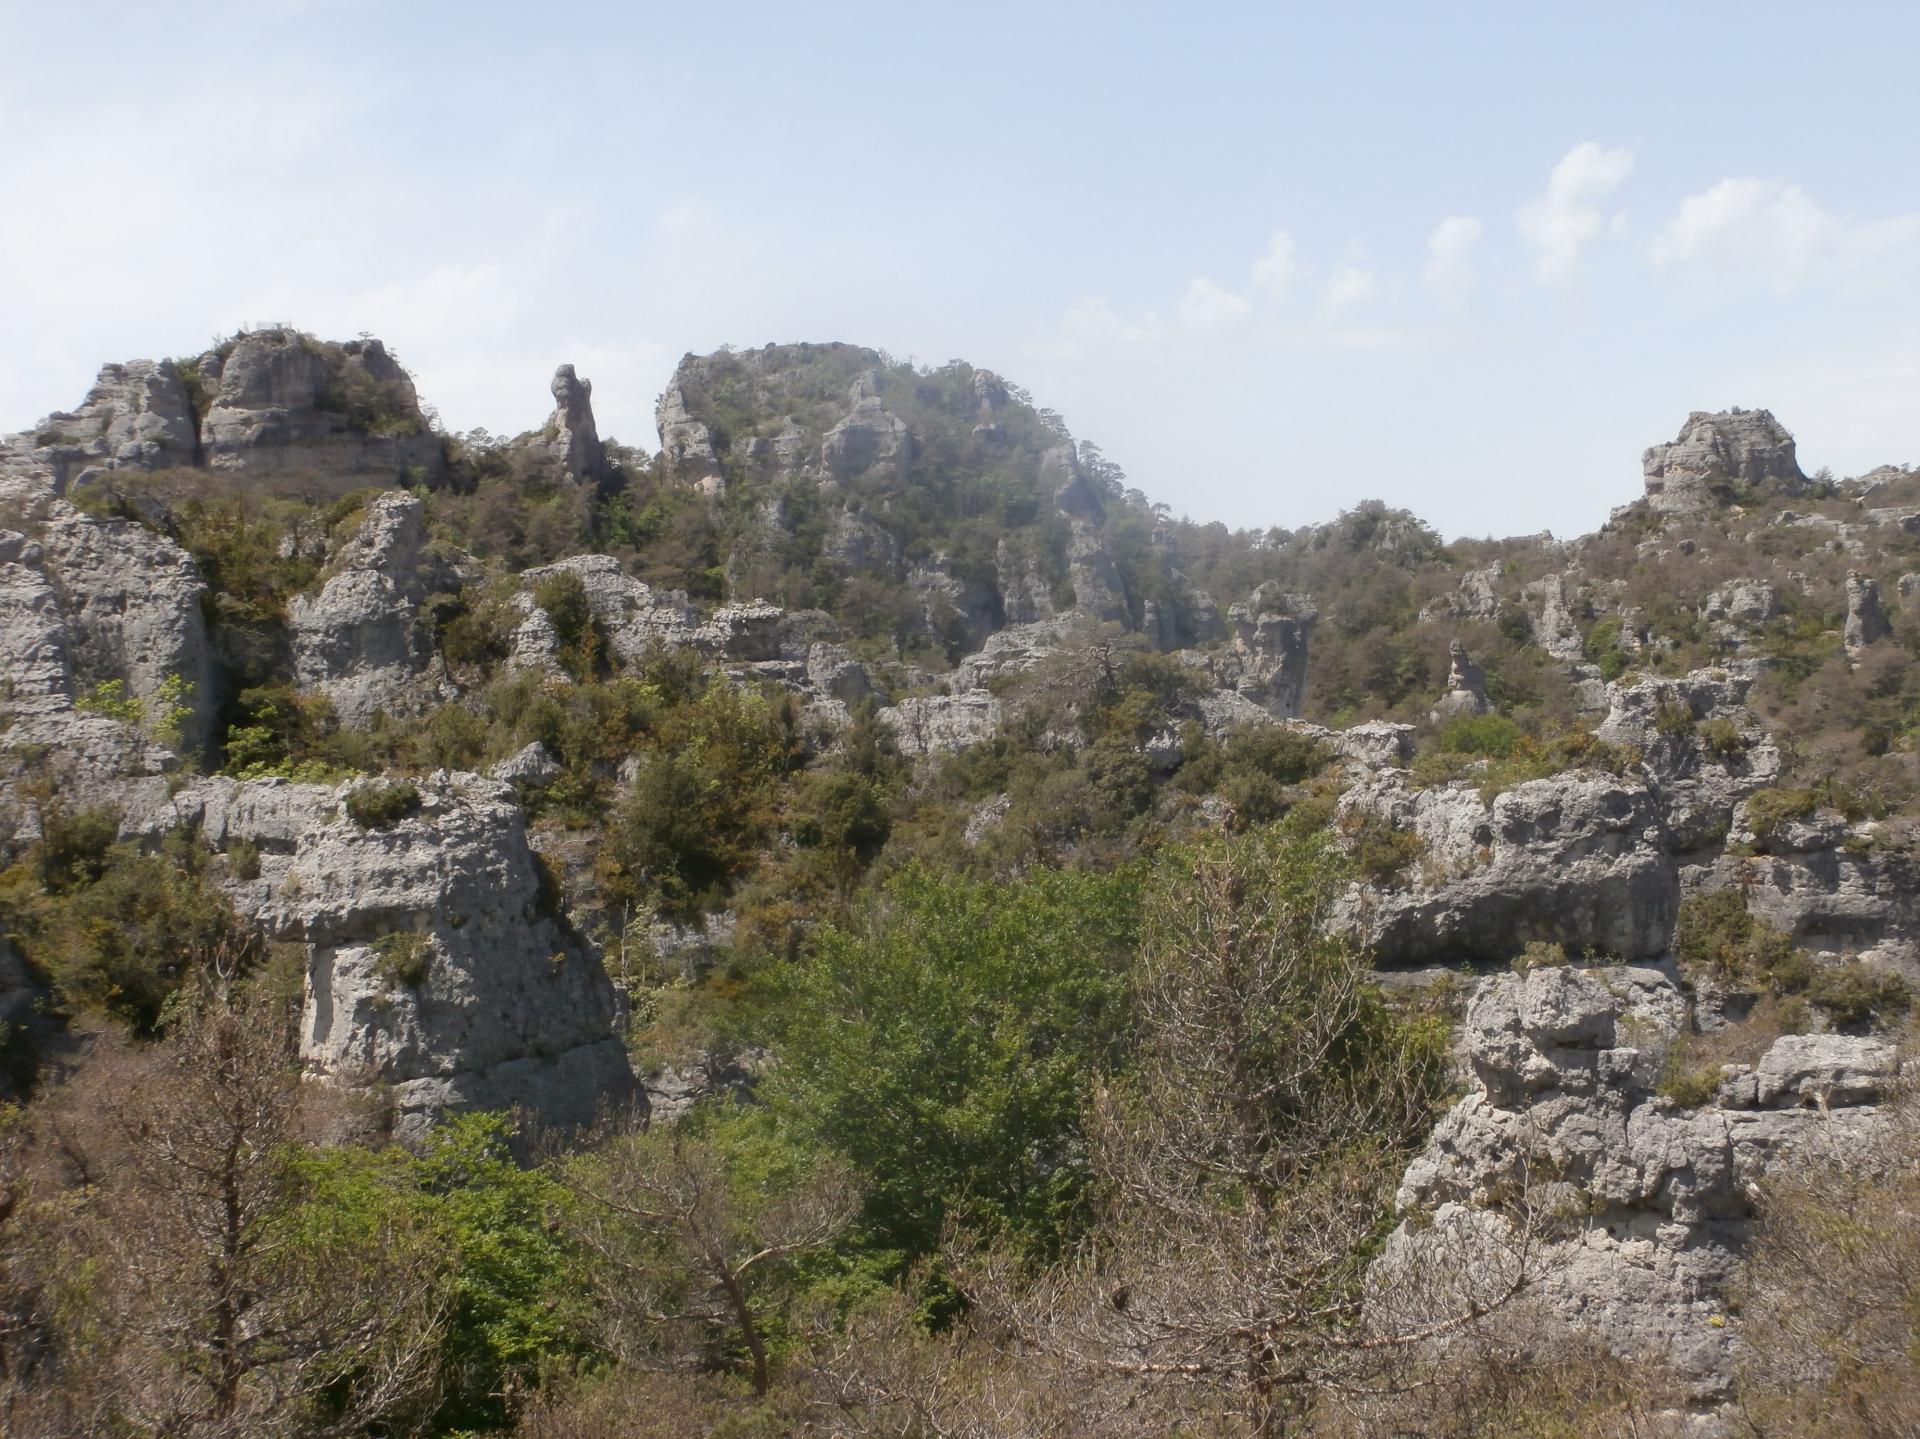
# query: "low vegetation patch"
{"points": [[380, 806]]}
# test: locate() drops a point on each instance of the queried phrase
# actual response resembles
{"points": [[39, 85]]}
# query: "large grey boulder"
{"points": [[1702, 750], [357, 641], [941, 724], [439, 967], [687, 450], [637, 619], [1640, 1208], [275, 415], [870, 441], [1861, 901], [1265, 658], [1713, 452], [1867, 622], [137, 415], [1466, 686], [1578, 859], [571, 435]]}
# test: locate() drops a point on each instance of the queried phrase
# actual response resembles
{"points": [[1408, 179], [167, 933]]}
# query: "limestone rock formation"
{"points": [[1555, 612], [1744, 602], [137, 415], [571, 435], [1714, 452], [438, 966], [1578, 859], [357, 641], [871, 440], [1643, 1206], [941, 724], [1701, 749], [686, 444], [1266, 656], [1466, 686], [1867, 622], [321, 419]]}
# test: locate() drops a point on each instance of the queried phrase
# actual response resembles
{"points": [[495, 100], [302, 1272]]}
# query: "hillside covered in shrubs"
{"points": [[857, 920]]}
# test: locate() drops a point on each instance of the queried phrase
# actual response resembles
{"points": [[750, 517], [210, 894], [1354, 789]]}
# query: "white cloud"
{"points": [[1448, 273], [1095, 320], [1275, 272], [1561, 222], [1207, 308], [1773, 233], [1348, 286]]}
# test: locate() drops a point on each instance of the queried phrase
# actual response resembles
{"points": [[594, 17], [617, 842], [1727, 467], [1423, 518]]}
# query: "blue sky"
{"points": [[1273, 259]]}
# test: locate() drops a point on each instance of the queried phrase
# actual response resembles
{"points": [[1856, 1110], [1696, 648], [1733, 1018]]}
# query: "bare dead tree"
{"points": [[218, 1303], [683, 1249], [1250, 1164]]}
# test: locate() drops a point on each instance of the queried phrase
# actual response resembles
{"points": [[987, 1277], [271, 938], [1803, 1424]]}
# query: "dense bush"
{"points": [[381, 806]]}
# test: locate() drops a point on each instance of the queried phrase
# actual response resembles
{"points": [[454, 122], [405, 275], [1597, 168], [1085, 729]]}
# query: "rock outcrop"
{"points": [[1466, 686], [1717, 451], [1867, 622], [870, 441], [687, 451], [1577, 859], [439, 967], [1640, 1206], [358, 641], [571, 436], [1265, 660]]}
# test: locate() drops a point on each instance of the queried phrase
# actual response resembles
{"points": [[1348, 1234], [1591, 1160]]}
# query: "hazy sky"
{"points": [[1274, 259]]}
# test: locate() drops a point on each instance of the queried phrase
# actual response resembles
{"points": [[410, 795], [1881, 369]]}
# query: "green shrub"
{"points": [[945, 1042], [1714, 935], [1691, 1085], [1491, 735], [1722, 738], [1853, 994], [243, 859], [403, 959], [1602, 647], [1771, 810], [1539, 954], [378, 806], [1674, 718], [563, 595], [1380, 852]]}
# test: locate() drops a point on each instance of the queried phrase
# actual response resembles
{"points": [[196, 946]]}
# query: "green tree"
{"points": [[945, 1043]]}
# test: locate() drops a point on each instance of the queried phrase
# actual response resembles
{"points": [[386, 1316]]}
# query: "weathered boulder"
{"points": [[860, 545], [317, 418], [1265, 659], [1867, 622], [137, 415], [1466, 686], [1640, 1207], [940, 724], [1714, 452], [1741, 602], [438, 963], [357, 641], [635, 617], [571, 436], [871, 440], [1834, 900], [1555, 609], [687, 450], [530, 765], [1578, 859], [1702, 749]]}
